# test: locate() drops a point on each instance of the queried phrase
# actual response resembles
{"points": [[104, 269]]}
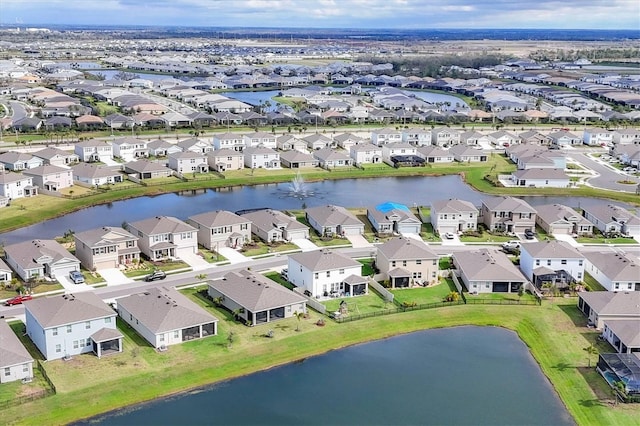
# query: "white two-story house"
{"points": [[188, 162], [453, 215], [93, 150], [323, 273], [16, 185], [551, 262], [261, 158], [221, 228], [164, 237]]}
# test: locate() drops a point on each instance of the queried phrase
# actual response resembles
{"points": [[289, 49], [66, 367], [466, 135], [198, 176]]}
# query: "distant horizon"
{"points": [[330, 14]]}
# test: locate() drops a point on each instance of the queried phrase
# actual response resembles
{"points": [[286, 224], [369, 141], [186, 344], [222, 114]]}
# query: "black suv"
{"points": [[529, 234], [156, 275]]}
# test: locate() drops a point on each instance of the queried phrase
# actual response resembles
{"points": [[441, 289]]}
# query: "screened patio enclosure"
{"points": [[623, 368]]}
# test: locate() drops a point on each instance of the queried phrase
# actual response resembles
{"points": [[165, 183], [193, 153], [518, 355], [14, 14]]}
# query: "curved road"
{"points": [[608, 176]]}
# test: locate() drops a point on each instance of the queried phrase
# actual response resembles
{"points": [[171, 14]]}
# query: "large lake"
{"points": [[454, 376], [346, 192]]}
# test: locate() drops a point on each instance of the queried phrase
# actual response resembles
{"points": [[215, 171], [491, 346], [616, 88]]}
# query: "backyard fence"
{"points": [[42, 393], [395, 310], [311, 302], [386, 294]]}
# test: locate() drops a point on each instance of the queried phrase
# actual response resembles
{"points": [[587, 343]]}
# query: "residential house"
{"points": [[5, 272], [129, 149], [255, 298], [603, 306], [541, 160], [473, 137], [232, 141], [615, 271], [225, 159], [16, 161], [333, 221], [564, 138], [145, 169], [444, 136], [534, 137], [40, 258], [406, 262], [165, 317], [385, 136], [162, 148], [467, 154], [393, 218], [417, 137], [596, 136], [261, 158], [453, 215], [560, 219], [507, 214], [541, 178], [195, 145], [289, 142], [347, 140], [273, 225], [256, 139], [394, 149], [297, 160], [15, 361], [56, 157], [164, 237], [72, 324], [221, 228], [487, 271], [330, 159], [626, 136], [106, 247], [551, 263], [93, 150], [326, 273], [317, 141], [612, 219], [624, 336], [435, 155], [188, 162], [504, 138], [366, 153], [50, 178], [93, 175], [16, 185]]}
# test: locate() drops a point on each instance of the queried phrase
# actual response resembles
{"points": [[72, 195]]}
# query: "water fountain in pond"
{"points": [[297, 188]]}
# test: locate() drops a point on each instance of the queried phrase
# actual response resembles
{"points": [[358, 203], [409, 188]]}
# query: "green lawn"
{"points": [[359, 304], [260, 248], [592, 283], [367, 267], [275, 276], [424, 295], [485, 237], [501, 296], [147, 267], [603, 240], [211, 256]]}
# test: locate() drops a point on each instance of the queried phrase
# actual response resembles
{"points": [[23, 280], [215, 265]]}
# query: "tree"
{"points": [[299, 316], [591, 350], [520, 292], [231, 337]]}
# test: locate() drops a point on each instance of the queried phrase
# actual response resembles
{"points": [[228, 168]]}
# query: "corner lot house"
{"points": [[325, 273], [257, 299], [393, 218], [406, 262], [16, 185], [15, 361], [453, 215], [164, 237], [559, 219], [221, 228], [273, 225], [541, 178], [623, 335], [601, 306], [333, 221], [106, 247], [50, 178], [551, 262], [614, 271], [488, 271], [69, 324], [613, 219], [40, 258], [165, 317], [508, 214]]}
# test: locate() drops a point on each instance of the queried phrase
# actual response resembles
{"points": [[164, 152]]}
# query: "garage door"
{"points": [[351, 231], [63, 271], [297, 235], [105, 264], [184, 250]]}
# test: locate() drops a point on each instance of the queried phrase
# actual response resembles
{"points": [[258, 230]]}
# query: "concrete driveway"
{"points": [[114, 276], [358, 241], [567, 239], [195, 261], [607, 175], [70, 287], [233, 256], [304, 244]]}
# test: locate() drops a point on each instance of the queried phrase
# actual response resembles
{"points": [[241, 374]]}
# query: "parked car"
{"points": [[449, 236], [76, 277], [156, 275], [529, 234], [17, 300], [509, 245]]}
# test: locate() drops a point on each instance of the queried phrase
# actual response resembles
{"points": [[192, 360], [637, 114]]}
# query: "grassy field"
{"points": [[424, 295], [358, 305], [555, 333]]}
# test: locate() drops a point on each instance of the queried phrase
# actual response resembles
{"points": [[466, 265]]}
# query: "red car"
{"points": [[18, 300]]}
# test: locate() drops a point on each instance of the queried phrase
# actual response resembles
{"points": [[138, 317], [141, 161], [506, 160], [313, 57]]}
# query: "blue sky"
{"points": [[404, 14]]}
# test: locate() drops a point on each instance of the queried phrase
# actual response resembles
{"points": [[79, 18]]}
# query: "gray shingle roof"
{"points": [[105, 236], [552, 213], [453, 205], [615, 266], [511, 204], [25, 253], [269, 219], [627, 330], [218, 218], [402, 248], [323, 260], [164, 309], [56, 311], [613, 303], [12, 352], [551, 249], [255, 292], [487, 265], [161, 225], [332, 216]]}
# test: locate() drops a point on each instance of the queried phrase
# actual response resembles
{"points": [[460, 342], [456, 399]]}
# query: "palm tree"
{"points": [[299, 316]]}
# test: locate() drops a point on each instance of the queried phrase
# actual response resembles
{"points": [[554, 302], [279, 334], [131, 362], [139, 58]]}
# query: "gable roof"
{"points": [[613, 303], [511, 204], [402, 248], [551, 249], [105, 236], [323, 260], [25, 253], [161, 225], [453, 205], [12, 352], [333, 215], [487, 265], [218, 218], [56, 311], [615, 266], [164, 309], [255, 292]]}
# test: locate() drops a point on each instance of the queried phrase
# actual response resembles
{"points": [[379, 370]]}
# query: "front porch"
{"points": [[162, 251]]}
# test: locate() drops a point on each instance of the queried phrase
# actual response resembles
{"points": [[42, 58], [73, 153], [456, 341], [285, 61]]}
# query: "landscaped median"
{"points": [[87, 386]]}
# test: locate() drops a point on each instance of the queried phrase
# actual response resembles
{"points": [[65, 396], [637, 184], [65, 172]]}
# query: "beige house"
{"points": [[508, 214], [406, 262], [106, 247], [221, 228], [50, 178], [225, 159]]}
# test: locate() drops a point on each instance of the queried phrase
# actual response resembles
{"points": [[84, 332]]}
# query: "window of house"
{"points": [[548, 262], [176, 334], [58, 348], [616, 286], [580, 262], [328, 274], [393, 263], [107, 320], [316, 275], [341, 271], [87, 325], [54, 331], [563, 261], [25, 368], [7, 371], [75, 344], [537, 262], [418, 261], [162, 337], [68, 329]]}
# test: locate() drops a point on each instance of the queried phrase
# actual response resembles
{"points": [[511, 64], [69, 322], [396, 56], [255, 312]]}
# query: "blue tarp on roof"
{"points": [[388, 206]]}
